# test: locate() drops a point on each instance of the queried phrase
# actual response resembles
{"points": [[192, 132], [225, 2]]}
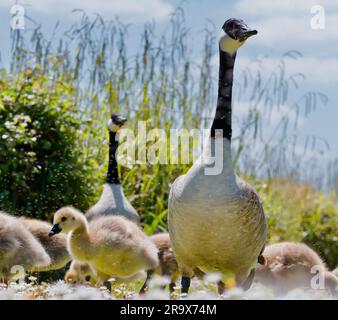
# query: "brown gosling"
{"points": [[112, 244], [168, 265], [18, 247], [56, 247], [291, 265]]}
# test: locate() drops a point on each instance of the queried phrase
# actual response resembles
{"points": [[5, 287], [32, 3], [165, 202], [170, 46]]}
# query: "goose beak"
{"points": [[246, 33], [55, 230]]}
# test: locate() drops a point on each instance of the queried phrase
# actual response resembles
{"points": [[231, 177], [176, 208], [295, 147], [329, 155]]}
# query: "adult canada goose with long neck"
{"points": [[216, 220], [113, 200]]}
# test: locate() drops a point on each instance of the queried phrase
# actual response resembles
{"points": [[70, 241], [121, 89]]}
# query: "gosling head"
{"points": [[116, 122], [71, 277], [67, 219], [234, 34], [81, 272]]}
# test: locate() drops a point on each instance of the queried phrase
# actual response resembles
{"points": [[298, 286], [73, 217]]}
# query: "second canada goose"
{"points": [[55, 247], [113, 245], [18, 247], [113, 200], [292, 265], [216, 220]]}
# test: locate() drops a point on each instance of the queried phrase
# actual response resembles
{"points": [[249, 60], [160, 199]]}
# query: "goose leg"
{"points": [[248, 282], [145, 285], [185, 284]]}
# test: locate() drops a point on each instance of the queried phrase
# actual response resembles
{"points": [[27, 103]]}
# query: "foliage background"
{"points": [[59, 92]]}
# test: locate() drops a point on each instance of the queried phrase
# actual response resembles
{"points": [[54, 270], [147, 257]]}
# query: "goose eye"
{"points": [[63, 219]]}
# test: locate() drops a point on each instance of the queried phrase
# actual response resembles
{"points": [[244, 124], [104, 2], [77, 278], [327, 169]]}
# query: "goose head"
{"points": [[67, 219], [234, 34], [116, 122]]}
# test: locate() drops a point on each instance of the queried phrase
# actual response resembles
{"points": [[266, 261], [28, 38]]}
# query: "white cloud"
{"points": [[295, 32], [136, 9], [317, 70], [287, 23], [267, 8]]}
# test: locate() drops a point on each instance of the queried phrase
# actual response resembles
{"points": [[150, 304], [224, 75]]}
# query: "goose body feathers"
{"points": [[113, 202], [216, 222]]}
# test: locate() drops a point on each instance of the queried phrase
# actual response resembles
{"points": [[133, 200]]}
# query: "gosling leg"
{"points": [[107, 284], [220, 287], [145, 285], [172, 286]]}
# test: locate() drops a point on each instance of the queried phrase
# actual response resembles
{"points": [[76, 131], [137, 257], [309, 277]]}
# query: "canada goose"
{"points": [[168, 264], [55, 247], [292, 265], [112, 244], [216, 220], [18, 247], [113, 200]]}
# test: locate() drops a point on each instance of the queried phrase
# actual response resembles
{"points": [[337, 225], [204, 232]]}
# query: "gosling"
{"points": [[168, 265], [112, 244], [18, 247], [292, 265], [82, 272], [56, 247]]}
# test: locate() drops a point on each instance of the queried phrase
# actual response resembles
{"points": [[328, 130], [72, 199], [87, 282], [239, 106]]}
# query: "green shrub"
{"points": [[42, 163]]}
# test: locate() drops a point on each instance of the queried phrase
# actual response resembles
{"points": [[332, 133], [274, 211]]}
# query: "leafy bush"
{"points": [[42, 165]]}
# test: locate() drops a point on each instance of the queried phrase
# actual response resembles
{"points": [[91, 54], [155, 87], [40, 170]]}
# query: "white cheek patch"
{"points": [[112, 126], [227, 44]]}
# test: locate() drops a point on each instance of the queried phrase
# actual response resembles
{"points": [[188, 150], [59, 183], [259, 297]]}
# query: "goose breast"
{"points": [[216, 223]]}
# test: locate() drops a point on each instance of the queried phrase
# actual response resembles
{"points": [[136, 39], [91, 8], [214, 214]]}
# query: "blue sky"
{"points": [[283, 25]]}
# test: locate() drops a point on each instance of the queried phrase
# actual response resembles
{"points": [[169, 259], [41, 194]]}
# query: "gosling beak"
{"points": [[246, 33], [55, 230]]}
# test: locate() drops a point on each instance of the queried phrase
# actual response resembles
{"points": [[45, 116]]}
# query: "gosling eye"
{"points": [[87, 278], [63, 219]]}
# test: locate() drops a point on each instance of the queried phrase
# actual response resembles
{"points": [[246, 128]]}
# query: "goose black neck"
{"points": [[222, 120], [113, 174]]}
